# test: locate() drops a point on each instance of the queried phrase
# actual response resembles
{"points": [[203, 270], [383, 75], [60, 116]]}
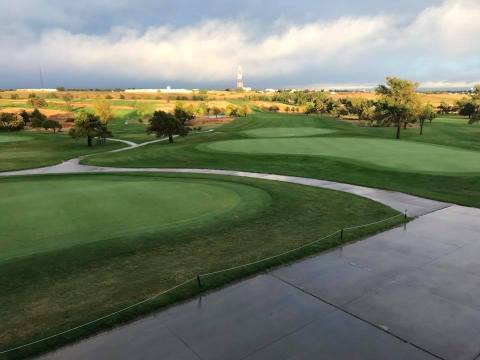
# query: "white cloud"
{"points": [[440, 39]]}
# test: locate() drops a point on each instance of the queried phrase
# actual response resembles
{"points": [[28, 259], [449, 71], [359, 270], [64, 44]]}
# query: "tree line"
{"points": [[35, 119], [398, 104]]}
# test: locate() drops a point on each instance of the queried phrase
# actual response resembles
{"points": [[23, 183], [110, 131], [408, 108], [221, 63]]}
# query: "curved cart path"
{"points": [[414, 205], [410, 293]]}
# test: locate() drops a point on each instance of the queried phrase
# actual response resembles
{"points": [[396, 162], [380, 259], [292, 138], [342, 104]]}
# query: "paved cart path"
{"points": [[414, 205], [409, 293]]}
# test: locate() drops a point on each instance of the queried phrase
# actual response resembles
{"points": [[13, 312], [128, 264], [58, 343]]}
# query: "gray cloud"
{"points": [[434, 41]]}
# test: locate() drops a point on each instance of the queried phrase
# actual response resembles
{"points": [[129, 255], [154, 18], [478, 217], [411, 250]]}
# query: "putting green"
{"points": [[44, 214], [394, 154], [278, 132], [5, 138]]}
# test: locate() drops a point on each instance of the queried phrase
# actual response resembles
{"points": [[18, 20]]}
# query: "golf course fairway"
{"points": [[5, 138], [287, 132], [48, 213], [393, 154]]}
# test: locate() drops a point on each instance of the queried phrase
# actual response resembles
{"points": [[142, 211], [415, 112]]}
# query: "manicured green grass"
{"points": [[462, 187], [155, 206], [13, 137], [286, 132], [125, 126], [42, 149], [396, 155], [247, 219]]}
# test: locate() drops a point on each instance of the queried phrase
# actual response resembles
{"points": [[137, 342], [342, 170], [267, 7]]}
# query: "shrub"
{"points": [[14, 96], [36, 102], [11, 122]]}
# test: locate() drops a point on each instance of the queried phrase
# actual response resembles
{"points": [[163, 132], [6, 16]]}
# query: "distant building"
{"points": [[39, 90], [271, 90], [141, 90], [167, 90]]}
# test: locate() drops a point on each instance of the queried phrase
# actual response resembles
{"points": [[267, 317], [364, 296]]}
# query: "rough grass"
{"points": [[53, 291]]}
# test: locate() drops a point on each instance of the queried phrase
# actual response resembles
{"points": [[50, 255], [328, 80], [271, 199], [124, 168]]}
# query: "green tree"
{"points": [[243, 110], [165, 124], [426, 113], [51, 124], [475, 98], [311, 108], [467, 107], [444, 108], [103, 110], [25, 116], [36, 102], [231, 110], [89, 126], [143, 109], [37, 118], [398, 103], [216, 111], [202, 109], [67, 97], [183, 114]]}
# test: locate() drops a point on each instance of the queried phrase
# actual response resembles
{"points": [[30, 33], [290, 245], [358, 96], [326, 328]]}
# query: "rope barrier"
{"points": [[373, 223], [268, 258], [96, 320], [198, 280]]}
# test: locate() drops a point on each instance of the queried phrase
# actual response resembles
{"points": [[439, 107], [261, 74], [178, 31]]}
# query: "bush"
{"points": [[11, 122], [108, 97], [14, 96], [122, 96], [36, 102]]}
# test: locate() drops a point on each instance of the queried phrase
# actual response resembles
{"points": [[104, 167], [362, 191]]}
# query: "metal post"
{"points": [[199, 281], [341, 234], [405, 220]]}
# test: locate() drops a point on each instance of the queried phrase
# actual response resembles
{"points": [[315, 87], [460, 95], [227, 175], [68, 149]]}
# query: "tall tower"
{"points": [[239, 78]]}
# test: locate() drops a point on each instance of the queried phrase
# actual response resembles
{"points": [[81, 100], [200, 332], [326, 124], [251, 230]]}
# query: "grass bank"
{"points": [[50, 291]]}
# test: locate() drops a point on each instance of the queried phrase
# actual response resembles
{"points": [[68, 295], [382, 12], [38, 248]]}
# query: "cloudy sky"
{"points": [[279, 43]]}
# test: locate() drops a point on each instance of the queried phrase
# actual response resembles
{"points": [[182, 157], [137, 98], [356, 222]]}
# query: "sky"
{"points": [[199, 44]]}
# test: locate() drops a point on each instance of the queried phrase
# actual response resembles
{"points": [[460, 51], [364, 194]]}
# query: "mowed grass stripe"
{"points": [[287, 132], [6, 138], [398, 155]]}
